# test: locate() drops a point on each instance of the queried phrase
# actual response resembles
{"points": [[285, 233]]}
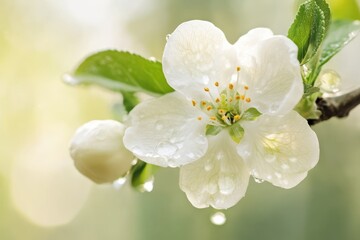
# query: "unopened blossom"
{"points": [[230, 116], [98, 151]]}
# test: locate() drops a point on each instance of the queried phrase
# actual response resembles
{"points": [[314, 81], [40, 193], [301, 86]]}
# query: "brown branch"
{"points": [[339, 106]]}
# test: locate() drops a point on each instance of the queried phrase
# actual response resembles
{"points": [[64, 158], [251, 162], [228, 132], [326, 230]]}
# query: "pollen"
{"points": [[203, 103], [246, 87], [209, 108], [216, 84], [238, 68], [193, 102], [231, 86], [237, 117], [213, 118], [248, 99], [206, 89], [217, 100], [199, 118]]}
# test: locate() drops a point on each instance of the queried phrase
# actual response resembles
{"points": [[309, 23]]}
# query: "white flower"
{"points": [[230, 117], [98, 151]]}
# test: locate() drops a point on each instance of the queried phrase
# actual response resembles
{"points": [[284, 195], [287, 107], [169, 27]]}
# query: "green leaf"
{"points": [[250, 114], [130, 100], [122, 71], [309, 28], [236, 132], [341, 32], [141, 173], [212, 130], [307, 107]]}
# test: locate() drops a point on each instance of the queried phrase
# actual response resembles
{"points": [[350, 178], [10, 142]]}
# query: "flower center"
{"points": [[227, 107]]}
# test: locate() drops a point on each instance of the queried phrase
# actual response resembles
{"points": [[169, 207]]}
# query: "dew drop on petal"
{"points": [[117, 184], [218, 218], [148, 186], [329, 81], [208, 166], [293, 159], [226, 185], [153, 59], [258, 180], [270, 158], [166, 149], [284, 166], [158, 125], [134, 162], [168, 36]]}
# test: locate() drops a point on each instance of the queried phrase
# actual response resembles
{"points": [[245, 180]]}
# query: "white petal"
{"points": [[219, 179], [279, 147], [98, 151], [272, 72], [165, 131], [252, 38], [196, 55]]}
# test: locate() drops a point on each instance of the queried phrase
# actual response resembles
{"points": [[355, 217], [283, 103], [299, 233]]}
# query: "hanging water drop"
{"points": [[329, 81], [218, 218], [148, 186], [166, 149], [68, 79], [117, 184]]}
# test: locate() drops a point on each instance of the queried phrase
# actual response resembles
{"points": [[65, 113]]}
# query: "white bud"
{"points": [[98, 151]]}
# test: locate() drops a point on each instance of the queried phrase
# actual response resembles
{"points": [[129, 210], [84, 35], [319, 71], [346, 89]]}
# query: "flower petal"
{"points": [[165, 131], [219, 179], [272, 72], [196, 55], [252, 38], [279, 149]]}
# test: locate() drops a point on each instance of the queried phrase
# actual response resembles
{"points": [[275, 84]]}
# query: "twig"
{"points": [[339, 106]]}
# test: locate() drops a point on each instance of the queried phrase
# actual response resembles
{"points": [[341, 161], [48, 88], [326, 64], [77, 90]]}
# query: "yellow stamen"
{"points": [[213, 118], [230, 99], [209, 108], [246, 87], [242, 97], [217, 100], [206, 89], [203, 103], [231, 86], [237, 97], [199, 118], [248, 99], [238, 69], [224, 118], [237, 117], [221, 112], [193, 102], [216, 84]]}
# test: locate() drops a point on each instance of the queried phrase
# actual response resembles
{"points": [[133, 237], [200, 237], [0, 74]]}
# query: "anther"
{"points": [[231, 86], [193, 102], [216, 84], [242, 97], [237, 117], [221, 112], [237, 97], [248, 99], [213, 118], [238, 69], [209, 108], [230, 99], [206, 89], [217, 100], [199, 118], [246, 87], [203, 103]]}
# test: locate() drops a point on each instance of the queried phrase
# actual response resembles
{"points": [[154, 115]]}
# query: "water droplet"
{"points": [[166, 149], [293, 159], [209, 166], [220, 156], [258, 180], [278, 175], [201, 140], [329, 81], [218, 218], [148, 186], [117, 184], [190, 155], [167, 37], [134, 162], [153, 59], [68, 79], [226, 185]]}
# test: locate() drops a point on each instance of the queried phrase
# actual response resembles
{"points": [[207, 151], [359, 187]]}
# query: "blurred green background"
{"points": [[43, 197]]}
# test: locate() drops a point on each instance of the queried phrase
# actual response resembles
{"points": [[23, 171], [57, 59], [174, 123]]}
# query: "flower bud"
{"points": [[98, 151]]}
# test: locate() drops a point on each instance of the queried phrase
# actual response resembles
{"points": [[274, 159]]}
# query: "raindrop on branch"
{"points": [[218, 218], [117, 184]]}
